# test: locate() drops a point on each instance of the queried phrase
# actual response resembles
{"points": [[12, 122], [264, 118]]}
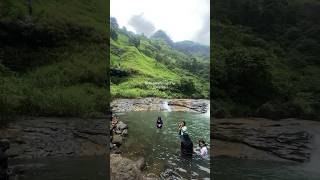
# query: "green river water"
{"points": [[161, 147]]}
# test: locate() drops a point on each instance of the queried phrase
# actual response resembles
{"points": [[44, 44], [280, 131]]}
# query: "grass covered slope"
{"points": [[53, 62], [143, 67]]}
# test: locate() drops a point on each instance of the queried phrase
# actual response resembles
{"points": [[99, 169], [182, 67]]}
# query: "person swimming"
{"points": [[159, 123]]}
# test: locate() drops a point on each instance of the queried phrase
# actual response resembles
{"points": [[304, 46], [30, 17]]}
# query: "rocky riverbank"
{"points": [[256, 138], [121, 167], [157, 104], [35, 138], [38, 137]]}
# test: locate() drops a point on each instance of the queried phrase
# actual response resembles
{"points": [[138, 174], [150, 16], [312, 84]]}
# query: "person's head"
{"points": [[202, 143], [183, 123], [159, 118]]}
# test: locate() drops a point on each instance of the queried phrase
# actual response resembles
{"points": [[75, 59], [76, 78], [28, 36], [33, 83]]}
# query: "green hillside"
{"points": [[144, 67], [265, 58], [53, 60]]}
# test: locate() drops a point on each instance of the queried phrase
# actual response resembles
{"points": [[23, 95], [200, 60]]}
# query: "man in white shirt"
{"points": [[182, 128]]}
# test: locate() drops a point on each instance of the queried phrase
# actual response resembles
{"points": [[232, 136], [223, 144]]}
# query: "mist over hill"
{"points": [[153, 67]]}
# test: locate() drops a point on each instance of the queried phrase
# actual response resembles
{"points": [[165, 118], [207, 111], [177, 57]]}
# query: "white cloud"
{"points": [[181, 19]]}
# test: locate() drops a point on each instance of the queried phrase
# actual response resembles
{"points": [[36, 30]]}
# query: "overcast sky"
{"points": [[180, 19]]}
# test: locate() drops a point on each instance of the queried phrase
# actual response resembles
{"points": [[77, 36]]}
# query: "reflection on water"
{"points": [[241, 169], [80, 168], [161, 147]]}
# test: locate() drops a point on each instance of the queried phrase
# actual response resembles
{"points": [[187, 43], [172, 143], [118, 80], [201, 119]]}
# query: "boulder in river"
{"points": [[123, 168]]}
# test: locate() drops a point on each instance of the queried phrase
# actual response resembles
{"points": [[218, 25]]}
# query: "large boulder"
{"points": [[117, 139], [123, 168]]}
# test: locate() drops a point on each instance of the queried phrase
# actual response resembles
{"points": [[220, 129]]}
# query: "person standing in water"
{"points": [[159, 123], [182, 128], [203, 149], [186, 146]]}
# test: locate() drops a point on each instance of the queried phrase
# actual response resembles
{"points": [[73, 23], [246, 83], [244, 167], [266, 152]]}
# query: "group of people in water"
{"points": [[186, 143]]}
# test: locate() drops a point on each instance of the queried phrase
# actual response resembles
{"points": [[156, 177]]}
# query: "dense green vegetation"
{"points": [[153, 67], [53, 58], [266, 58]]}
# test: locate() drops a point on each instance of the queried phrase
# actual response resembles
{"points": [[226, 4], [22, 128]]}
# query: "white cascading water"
{"points": [[166, 106], [208, 110]]}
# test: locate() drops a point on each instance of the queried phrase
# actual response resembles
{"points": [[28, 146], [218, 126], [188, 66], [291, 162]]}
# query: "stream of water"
{"points": [[161, 147], [244, 169]]}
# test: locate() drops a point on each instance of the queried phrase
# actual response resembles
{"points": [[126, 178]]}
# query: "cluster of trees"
{"points": [[266, 58]]}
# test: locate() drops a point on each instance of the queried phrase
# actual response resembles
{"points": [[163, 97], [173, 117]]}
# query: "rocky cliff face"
{"points": [[288, 139], [156, 104], [55, 137]]}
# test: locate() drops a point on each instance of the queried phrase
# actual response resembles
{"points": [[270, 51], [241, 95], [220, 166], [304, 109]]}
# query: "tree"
{"points": [[114, 23], [187, 86], [135, 41], [113, 34], [248, 76]]}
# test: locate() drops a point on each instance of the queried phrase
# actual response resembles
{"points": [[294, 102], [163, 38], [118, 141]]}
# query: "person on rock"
{"points": [[203, 152], [182, 128], [114, 122], [186, 146], [159, 123]]}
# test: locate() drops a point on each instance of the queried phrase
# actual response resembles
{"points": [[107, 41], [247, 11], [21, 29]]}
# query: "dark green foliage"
{"points": [[266, 58], [134, 40], [53, 60], [187, 86], [113, 34]]}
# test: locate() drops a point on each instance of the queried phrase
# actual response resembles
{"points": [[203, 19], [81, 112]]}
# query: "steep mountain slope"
{"points": [[266, 58], [53, 61], [193, 48], [143, 67]]}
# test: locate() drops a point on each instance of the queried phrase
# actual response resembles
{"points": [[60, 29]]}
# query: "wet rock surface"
{"points": [[54, 137], [123, 168], [156, 104], [288, 139], [117, 136]]}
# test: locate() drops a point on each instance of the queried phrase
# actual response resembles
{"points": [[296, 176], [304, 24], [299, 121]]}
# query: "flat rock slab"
{"points": [[43, 137], [289, 139], [156, 104]]}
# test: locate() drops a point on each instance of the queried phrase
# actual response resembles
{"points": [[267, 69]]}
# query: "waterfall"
{"points": [[166, 106], [208, 110]]}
